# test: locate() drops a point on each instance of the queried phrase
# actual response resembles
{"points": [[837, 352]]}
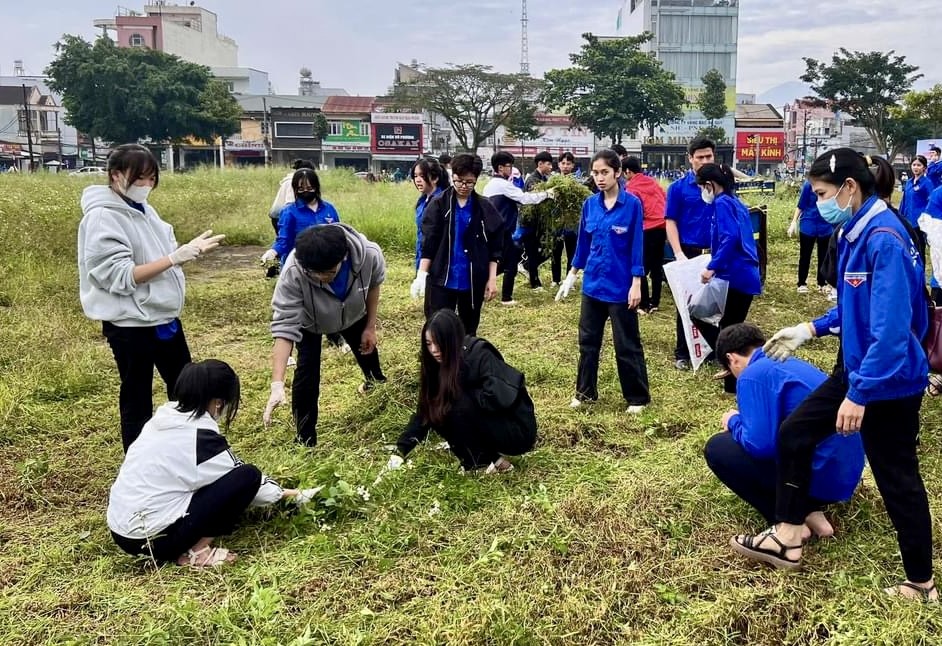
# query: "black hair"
{"points": [[935, 149], [135, 161], [321, 248], [500, 158], [302, 163], [542, 156], [620, 150], [837, 166], [440, 383], [632, 164], [444, 159], [609, 156], [310, 175], [202, 382], [884, 177], [465, 163], [567, 156], [699, 143], [431, 169], [922, 160], [739, 338], [718, 174]]}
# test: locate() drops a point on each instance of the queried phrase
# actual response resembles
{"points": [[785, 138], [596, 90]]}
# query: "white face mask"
{"points": [[137, 193], [707, 195]]}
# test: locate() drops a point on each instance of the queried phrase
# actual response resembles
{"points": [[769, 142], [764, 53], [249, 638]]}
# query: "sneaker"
{"points": [[652, 309], [292, 361], [802, 289], [554, 284], [538, 290], [635, 409], [523, 271], [681, 364], [832, 294], [501, 465], [575, 403], [824, 289], [508, 303], [344, 347]]}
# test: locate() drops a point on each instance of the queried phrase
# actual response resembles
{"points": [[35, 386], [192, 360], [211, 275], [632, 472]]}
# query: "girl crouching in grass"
{"points": [[471, 397], [180, 485]]}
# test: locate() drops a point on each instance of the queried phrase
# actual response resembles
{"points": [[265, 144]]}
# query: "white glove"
{"points": [[276, 398], [394, 464], [202, 243], [786, 341], [418, 285], [566, 287], [306, 495], [680, 256], [792, 229], [268, 256], [551, 193]]}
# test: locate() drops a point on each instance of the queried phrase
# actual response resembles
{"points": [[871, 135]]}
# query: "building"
{"points": [[812, 129], [39, 132], [348, 144], [557, 135], [243, 80], [286, 125], [396, 139], [760, 138], [691, 37]]}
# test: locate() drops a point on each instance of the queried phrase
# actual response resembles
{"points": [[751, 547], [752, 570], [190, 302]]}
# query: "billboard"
{"points": [[922, 146], [394, 133], [769, 144]]}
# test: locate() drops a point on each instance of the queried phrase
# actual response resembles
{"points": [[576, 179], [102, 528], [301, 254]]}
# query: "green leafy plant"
{"points": [[563, 212]]}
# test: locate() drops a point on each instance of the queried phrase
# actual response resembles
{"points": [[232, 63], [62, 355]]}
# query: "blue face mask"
{"points": [[832, 213]]}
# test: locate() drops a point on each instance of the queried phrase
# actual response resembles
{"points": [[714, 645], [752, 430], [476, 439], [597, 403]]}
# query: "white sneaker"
{"points": [[635, 410], [508, 303], [554, 284], [292, 361], [832, 295], [538, 290], [802, 289], [575, 403], [344, 347]]}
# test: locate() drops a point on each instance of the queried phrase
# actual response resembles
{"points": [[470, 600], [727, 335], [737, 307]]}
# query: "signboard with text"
{"points": [[769, 145], [394, 133]]}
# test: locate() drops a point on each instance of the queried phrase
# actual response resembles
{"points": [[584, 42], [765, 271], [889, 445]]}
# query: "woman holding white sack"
{"points": [[734, 257]]}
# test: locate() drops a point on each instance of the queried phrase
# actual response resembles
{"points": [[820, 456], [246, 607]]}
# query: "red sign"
{"points": [[770, 146]]}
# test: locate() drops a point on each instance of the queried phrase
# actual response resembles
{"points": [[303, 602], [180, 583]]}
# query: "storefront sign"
{"points": [[397, 139], [769, 145]]}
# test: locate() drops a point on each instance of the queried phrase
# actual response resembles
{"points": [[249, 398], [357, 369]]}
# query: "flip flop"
{"points": [[934, 389], [924, 593], [217, 556], [749, 547]]}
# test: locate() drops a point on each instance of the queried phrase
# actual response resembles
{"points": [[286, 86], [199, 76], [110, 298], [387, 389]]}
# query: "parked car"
{"points": [[89, 170]]}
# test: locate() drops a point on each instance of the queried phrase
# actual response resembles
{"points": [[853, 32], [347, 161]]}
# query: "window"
{"points": [[364, 129], [265, 127], [334, 128], [136, 40], [294, 130], [230, 86]]}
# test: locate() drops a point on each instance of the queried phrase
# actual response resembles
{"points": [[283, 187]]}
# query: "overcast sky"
{"points": [[355, 45]]}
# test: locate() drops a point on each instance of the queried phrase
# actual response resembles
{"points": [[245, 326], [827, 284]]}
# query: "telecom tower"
{"points": [[524, 45]]}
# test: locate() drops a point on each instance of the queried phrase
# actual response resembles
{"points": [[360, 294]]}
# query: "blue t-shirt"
{"points": [[811, 223], [689, 211], [459, 271], [341, 282]]}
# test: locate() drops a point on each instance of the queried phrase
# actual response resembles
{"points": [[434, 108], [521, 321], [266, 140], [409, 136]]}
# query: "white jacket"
{"points": [[283, 197], [113, 237], [174, 456]]}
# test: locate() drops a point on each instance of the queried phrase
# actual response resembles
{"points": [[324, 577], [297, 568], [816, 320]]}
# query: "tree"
{"points": [[925, 106], [865, 85], [473, 99], [614, 88], [712, 103], [128, 94]]}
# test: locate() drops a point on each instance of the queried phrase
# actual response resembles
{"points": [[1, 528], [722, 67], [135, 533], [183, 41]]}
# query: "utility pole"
{"points": [[758, 143], [29, 129], [524, 44], [59, 137], [267, 129]]}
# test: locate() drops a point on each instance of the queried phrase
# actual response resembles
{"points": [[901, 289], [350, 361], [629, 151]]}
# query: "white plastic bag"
{"points": [[709, 302], [933, 230], [683, 277]]}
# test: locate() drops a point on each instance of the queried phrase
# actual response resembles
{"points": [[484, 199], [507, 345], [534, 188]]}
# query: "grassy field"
{"points": [[612, 531]]}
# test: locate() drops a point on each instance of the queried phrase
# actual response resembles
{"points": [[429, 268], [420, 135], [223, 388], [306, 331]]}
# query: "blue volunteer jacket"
{"points": [[881, 311], [767, 392], [934, 172], [916, 199], [419, 212], [689, 211], [297, 217], [810, 222], [610, 247], [934, 206], [733, 246]]}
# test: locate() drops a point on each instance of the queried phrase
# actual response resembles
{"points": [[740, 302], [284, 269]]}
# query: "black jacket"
{"points": [[483, 239], [497, 390]]}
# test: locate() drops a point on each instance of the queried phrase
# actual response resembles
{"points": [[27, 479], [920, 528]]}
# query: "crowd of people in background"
{"points": [[795, 443]]}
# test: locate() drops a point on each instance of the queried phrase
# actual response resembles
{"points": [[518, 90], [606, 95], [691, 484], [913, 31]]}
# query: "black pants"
{"points": [[680, 350], [737, 309], [478, 437], [305, 391], [565, 240], [890, 434], [137, 351], [629, 355], [534, 257], [510, 258], [751, 479], [466, 303], [213, 511], [654, 240], [807, 244]]}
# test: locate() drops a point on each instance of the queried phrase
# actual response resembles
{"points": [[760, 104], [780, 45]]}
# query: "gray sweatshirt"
{"points": [[300, 302], [113, 237]]}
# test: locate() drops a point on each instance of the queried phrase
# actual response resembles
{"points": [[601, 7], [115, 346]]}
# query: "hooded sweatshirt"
{"points": [[174, 456], [303, 303], [113, 238]]}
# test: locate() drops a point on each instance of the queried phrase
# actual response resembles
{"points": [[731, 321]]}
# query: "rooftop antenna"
{"points": [[524, 44]]}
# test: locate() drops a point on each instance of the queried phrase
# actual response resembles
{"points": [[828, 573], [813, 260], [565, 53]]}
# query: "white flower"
{"points": [[436, 509], [363, 492]]}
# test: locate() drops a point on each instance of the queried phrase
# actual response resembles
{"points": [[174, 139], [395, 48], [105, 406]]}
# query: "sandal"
{"points": [[924, 594], [216, 556], [501, 465], [934, 389], [748, 546]]}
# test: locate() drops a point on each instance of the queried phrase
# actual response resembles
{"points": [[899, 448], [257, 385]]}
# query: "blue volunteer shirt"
{"points": [[934, 205], [340, 285], [732, 245], [297, 217], [810, 222], [916, 194], [610, 246], [419, 212], [689, 211], [459, 270], [934, 171], [767, 392]]}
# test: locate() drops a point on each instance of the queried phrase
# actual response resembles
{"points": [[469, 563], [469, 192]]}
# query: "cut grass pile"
{"points": [[612, 531]]}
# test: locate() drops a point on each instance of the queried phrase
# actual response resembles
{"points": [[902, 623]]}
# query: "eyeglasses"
{"points": [[466, 183]]}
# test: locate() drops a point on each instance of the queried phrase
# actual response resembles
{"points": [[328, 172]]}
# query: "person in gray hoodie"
{"points": [[130, 280], [330, 283]]}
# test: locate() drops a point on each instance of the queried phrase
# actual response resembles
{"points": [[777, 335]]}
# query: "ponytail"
{"points": [[720, 174]]}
